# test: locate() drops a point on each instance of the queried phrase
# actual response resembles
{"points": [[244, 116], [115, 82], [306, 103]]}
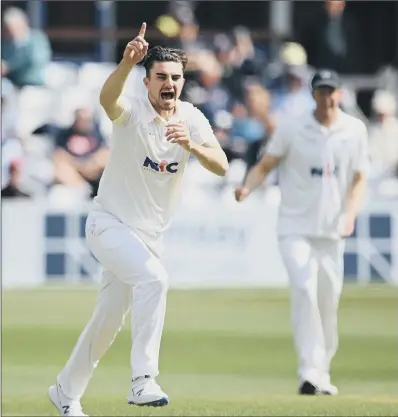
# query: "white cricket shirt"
{"points": [[141, 182], [316, 171]]}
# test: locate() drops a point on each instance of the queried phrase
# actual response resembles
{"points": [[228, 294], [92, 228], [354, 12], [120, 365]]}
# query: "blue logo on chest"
{"points": [[326, 171], [161, 167]]}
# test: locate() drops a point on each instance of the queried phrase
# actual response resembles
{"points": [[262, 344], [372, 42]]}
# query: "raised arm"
{"points": [[111, 93]]}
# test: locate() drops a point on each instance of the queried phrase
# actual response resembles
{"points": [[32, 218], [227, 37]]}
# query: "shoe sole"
{"points": [[329, 393], [157, 403]]}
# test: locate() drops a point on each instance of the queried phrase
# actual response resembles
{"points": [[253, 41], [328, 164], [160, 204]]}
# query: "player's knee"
{"points": [[303, 290], [158, 277], [110, 317], [114, 320], [161, 280]]}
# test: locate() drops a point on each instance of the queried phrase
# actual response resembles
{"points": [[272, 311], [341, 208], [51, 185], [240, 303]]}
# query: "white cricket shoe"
{"points": [[328, 389], [145, 391], [65, 405], [325, 386]]}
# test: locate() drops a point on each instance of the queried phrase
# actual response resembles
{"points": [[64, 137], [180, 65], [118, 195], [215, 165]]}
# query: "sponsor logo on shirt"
{"points": [[326, 171], [163, 167]]}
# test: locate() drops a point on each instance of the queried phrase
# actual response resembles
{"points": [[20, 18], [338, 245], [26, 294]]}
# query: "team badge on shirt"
{"points": [[326, 171], [160, 167]]}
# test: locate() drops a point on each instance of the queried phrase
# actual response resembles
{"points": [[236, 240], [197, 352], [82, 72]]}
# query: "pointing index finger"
{"points": [[142, 30]]}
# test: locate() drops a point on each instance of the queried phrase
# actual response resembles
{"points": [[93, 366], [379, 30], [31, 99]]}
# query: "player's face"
{"points": [[327, 98], [164, 84]]}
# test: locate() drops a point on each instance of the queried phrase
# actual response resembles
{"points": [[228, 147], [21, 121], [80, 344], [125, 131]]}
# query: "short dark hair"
{"points": [[160, 54]]}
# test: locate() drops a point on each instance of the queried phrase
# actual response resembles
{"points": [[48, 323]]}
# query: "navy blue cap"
{"points": [[325, 78]]}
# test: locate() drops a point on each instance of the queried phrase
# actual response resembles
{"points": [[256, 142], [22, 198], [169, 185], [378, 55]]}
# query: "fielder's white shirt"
{"points": [[316, 171], [142, 180]]}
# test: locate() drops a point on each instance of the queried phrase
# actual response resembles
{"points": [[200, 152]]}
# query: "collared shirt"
{"points": [[142, 180], [316, 171]]}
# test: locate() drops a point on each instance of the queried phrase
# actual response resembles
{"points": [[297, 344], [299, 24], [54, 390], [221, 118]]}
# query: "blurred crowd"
{"points": [[55, 136]]}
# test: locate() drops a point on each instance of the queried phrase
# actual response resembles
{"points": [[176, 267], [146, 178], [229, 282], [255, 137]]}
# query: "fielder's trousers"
{"points": [[133, 277], [315, 270]]}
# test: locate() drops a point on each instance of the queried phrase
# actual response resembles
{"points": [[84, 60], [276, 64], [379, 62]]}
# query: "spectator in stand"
{"points": [[189, 38], [25, 51], [240, 59], [333, 40], [383, 135], [252, 124], [224, 50], [249, 58], [294, 97], [81, 153], [209, 93], [12, 154]]}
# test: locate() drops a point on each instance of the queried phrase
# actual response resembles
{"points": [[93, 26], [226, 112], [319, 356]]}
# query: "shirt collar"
{"points": [[153, 115], [334, 126]]}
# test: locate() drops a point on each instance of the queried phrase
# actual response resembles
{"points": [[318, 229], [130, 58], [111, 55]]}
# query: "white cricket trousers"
{"points": [[133, 276], [315, 270]]}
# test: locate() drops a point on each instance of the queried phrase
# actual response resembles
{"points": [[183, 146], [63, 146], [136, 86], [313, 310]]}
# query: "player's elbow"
{"points": [[105, 101], [111, 107]]}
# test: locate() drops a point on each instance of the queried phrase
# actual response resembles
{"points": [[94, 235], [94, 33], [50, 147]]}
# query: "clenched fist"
{"points": [[241, 193], [136, 49], [178, 133]]}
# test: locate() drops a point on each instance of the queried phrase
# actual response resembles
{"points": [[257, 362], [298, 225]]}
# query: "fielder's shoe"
{"points": [[328, 389], [307, 388], [145, 391], [65, 405]]}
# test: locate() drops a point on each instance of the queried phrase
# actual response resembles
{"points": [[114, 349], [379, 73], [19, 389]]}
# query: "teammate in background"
{"points": [[323, 160], [152, 141]]}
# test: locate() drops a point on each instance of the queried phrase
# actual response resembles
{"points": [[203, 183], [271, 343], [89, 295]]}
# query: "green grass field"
{"points": [[223, 353]]}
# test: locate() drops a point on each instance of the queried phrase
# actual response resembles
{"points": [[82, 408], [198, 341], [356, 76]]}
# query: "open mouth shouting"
{"points": [[168, 95]]}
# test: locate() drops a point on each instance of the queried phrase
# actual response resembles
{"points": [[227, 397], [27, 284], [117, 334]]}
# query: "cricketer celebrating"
{"points": [[151, 143]]}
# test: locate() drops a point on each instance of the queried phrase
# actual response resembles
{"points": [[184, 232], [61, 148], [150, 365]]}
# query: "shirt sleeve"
{"points": [[362, 158], [278, 144], [130, 113], [200, 130]]}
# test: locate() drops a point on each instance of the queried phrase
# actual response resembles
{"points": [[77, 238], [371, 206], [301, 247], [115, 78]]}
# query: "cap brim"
{"points": [[330, 84]]}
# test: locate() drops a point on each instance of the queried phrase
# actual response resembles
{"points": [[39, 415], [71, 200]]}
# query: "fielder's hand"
{"points": [[349, 225], [177, 133], [241, 193], [136, 49]]}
